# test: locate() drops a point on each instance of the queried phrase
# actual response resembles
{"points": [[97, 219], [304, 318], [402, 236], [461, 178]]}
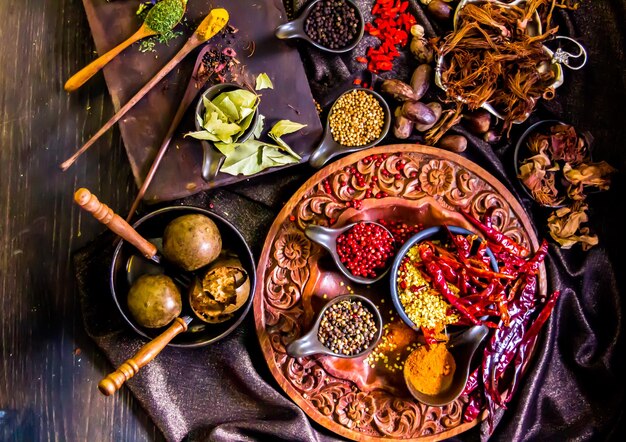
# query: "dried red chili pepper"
{"points": [[439, 282], [497, 238]]}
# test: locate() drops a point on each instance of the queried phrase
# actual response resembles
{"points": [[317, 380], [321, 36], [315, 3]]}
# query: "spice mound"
{"points": [[332, 23], [422, 303], [356, 119], [347, 328], [430, 369], [366, 249]]}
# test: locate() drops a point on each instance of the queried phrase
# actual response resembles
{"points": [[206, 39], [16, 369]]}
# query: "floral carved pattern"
{"points": [[412, 175]]}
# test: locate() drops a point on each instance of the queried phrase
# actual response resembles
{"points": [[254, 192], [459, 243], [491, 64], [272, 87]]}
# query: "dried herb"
{"points": [[161, 17], [227, 116], [507, 351], [492, 58], [263, 82]]}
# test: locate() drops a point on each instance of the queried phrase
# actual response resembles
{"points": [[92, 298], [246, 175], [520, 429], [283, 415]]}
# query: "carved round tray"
{"points": [[366, 399]]}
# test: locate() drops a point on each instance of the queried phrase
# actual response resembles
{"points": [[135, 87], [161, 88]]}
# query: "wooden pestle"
{"points": [[88, 201], [81, 77], [148, 352], [211, 25]]}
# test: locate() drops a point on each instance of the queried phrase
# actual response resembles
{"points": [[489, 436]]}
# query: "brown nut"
{"points": [[418, 112], [478, 122], [440, 10], [420, 80], [492, 137], [453, 143], [399, 90], [437, 110], [402, 126]]}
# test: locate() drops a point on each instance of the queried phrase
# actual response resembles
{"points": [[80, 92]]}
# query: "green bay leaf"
{"points": [[263, 82]]}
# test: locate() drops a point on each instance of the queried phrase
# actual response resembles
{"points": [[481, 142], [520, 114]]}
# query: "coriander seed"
{"points": [[356, 119]]}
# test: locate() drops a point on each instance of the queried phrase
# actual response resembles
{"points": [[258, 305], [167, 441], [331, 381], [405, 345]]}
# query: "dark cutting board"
{"points": [[144, 127]]}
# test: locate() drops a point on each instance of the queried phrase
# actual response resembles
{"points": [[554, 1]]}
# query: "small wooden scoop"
{"points": [[211, 25], [113, 382]]}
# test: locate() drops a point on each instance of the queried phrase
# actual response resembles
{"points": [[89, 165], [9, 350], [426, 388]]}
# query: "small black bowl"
{"points": [[295, 29], [212, 158], [152, 227], [309, 344], [329, 148]]}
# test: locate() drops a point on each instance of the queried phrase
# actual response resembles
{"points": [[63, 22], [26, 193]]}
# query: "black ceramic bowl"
{"points": [[432, 233], [152, 227], [212, 158], [329, 148], [295, 29]]}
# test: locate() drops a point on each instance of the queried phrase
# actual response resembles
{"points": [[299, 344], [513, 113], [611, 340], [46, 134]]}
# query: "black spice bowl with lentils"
{"points": [[347, 328], [333, 24]]}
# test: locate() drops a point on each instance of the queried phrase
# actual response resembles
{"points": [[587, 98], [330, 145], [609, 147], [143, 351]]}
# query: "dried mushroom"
{"points": [[223, 290]]}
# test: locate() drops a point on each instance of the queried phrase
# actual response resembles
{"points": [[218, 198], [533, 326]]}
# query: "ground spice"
{"points": [[391, 24], [430, 369]]}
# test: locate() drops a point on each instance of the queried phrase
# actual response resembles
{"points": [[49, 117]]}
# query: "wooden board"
{"points": [[144, 127], [357, 398]]}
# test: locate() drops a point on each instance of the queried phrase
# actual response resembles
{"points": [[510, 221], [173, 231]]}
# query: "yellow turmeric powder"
{"points": [[429, 369]]}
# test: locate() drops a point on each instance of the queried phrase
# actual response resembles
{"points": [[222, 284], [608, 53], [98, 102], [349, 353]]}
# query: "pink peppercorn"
{"points": [[365, 249]]}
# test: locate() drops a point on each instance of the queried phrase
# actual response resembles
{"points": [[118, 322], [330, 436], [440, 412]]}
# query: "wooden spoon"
{"points": [[81, 77], [196, 83], [211, 25]]}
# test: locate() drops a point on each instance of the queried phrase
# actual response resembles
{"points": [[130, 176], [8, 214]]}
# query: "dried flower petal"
{"points": [[593, 174], [565, 227]]}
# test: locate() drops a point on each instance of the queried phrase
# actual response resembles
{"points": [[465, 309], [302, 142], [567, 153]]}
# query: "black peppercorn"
{"points": [[347, 328], [332, 24]]}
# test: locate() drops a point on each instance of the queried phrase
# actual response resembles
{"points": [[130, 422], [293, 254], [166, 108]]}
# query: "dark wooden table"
{"points": [[49, 367]]}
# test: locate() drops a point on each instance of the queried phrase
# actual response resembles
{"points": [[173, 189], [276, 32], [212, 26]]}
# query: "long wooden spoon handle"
{"points": [[85, 199], [212, 24], [81, 77], [148, 352]]}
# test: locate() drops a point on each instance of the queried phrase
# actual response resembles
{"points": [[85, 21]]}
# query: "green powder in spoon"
{"points": [[165, 15]]}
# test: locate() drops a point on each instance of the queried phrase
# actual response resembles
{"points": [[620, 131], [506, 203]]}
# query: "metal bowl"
{"points": [[534, 28], [212, 158], [152, 226]]}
